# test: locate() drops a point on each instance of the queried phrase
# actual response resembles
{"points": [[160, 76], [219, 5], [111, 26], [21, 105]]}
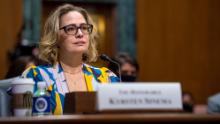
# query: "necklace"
{"points": [[73, 73], [68, 71]]}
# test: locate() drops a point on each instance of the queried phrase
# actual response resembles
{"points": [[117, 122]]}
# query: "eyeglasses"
{"points": [[72, 29]]}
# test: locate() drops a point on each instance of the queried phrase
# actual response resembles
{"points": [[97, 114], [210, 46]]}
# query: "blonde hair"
{"points": [[48, 44]]}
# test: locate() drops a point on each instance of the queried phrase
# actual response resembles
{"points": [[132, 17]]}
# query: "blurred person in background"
{"points": [[188, 102], [19, 65], [214, 104], [129, 67], [20, 58]]}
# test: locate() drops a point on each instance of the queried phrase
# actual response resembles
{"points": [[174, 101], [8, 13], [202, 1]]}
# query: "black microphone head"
{"points": [[104, 57]]}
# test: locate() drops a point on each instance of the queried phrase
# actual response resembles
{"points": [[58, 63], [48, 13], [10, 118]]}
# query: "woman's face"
{"points": [[128, 72], [72, 36], [128, 69]]}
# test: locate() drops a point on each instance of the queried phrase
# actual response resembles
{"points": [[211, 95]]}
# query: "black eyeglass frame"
{"points": [[90, 28]]}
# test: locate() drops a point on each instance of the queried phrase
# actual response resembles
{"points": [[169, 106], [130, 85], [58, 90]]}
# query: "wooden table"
{"points": [[116, 119]]}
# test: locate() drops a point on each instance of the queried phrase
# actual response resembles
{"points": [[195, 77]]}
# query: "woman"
{"points": [[67, 44]]}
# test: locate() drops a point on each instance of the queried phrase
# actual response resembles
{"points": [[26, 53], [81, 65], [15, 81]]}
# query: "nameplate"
{"points": [[139, 96]]}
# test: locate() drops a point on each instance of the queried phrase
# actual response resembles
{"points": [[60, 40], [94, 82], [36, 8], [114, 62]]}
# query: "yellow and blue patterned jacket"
{"points": [[57, 85]]}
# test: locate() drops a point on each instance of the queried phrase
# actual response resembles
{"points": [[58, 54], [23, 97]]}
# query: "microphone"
{"points": [[107, 58]]}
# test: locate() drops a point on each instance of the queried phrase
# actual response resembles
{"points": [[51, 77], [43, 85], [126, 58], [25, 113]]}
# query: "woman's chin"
{"points": [[81, 50]]}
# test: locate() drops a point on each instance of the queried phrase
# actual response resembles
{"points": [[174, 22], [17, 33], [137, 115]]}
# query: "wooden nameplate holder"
{"points": [[80, 102]]}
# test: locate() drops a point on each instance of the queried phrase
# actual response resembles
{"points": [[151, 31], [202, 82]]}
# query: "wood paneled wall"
{"points": [[179, 40], [10, 24]]}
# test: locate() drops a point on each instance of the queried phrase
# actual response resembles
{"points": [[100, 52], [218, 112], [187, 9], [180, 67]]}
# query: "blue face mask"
{"points": [[128, 78]]}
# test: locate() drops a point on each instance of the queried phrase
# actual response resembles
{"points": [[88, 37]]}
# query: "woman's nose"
{"points": [[79, 33]]}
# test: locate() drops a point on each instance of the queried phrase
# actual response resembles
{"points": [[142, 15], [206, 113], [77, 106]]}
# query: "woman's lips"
{"points": [[79, 43]]}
